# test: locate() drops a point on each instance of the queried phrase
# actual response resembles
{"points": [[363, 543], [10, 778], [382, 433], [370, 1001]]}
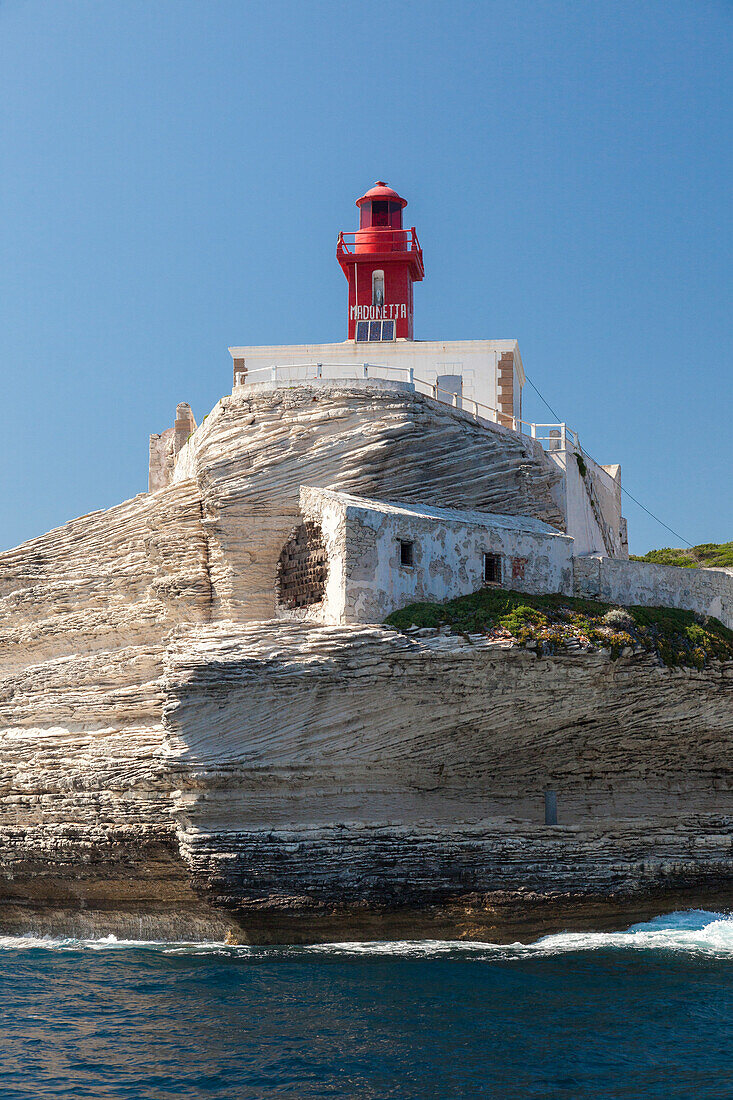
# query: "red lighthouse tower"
{"points": [[381, 262]]}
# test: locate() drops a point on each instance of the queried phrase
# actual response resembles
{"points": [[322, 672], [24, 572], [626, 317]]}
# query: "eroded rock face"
{"points": [[300, 782], [351, 774], [169, 767], [86, 841]]}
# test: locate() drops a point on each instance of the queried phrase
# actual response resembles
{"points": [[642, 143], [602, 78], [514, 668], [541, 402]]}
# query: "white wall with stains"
{"points": [[708, 591], [367, 580]]}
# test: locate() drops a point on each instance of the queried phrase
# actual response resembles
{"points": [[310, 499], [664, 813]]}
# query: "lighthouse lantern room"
{"points": [[381, 261]]}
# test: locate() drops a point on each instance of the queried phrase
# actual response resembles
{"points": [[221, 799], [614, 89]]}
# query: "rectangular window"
{"points": [[406, 553], [492, 568]]}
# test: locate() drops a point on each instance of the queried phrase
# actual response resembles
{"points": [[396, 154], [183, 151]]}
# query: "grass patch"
{"points": [[553, 623], [581, 464], [707, 555]]}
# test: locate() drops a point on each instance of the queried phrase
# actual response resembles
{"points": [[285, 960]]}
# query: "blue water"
{"points": [[641, 1014]]}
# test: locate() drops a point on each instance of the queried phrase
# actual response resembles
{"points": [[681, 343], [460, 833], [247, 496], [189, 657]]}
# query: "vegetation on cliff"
{"points": [[706, 555], [552, 623]]}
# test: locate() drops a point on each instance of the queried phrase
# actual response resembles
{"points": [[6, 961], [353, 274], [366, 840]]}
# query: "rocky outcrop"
{"points": [[341, 775], [173, 761], [116, 578], [85, 841], [300, 783]]}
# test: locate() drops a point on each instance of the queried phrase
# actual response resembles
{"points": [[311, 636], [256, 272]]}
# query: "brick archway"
{"points": [[302, 568]]}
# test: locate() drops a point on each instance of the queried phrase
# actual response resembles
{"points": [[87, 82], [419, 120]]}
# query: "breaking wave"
{"points": [[692, 932]]}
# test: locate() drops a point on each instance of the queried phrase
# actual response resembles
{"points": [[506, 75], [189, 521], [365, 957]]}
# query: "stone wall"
{"points": [[708, 591], [368, 580], [302, 568]]}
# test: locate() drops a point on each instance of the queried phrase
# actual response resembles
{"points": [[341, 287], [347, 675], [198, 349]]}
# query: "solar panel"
{"points": [[362, 331], [375, 330], [388, 330]]}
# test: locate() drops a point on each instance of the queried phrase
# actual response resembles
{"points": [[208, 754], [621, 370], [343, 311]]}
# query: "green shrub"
{"points": [[709, 555], [552, 622]]}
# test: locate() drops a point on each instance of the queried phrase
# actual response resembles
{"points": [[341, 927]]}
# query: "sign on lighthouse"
{"points": [[381, 261]]}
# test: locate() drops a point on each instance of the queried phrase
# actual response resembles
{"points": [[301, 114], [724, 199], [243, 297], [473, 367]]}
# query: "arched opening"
{"points": [[302, 568]]}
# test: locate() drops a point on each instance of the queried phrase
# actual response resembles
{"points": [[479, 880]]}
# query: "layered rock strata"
{"points": [[352, 779], [175, 762]]}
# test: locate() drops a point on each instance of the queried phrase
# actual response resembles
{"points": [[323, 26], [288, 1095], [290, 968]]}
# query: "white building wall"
{"points": [[366, 580], [474, 360], [591, 503], [708, 591]]}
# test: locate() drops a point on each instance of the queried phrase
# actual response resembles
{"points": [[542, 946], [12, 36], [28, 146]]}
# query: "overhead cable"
{"points": [[623, 490]]}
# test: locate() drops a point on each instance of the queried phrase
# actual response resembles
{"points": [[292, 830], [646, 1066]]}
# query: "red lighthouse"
{"points": [[381, 262]]}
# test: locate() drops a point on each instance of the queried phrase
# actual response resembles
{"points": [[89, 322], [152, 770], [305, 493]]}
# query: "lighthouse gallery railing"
{"points": [[405, 240], [553, 437]]}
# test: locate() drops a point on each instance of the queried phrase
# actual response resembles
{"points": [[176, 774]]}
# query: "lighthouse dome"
{"points": [[380, 191]]}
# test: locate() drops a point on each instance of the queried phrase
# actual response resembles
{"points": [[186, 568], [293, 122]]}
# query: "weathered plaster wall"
{"points": [[367, 581], [709, 591]]}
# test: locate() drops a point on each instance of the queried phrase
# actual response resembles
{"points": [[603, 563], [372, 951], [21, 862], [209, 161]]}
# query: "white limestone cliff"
{"points": [[175, 760]]}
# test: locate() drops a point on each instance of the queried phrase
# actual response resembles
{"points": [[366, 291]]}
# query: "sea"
{"points": [[640, 1014]]}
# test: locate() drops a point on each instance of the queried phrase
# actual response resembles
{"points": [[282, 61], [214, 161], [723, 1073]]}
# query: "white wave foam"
{"points": [[694, 932], [104, 943]]}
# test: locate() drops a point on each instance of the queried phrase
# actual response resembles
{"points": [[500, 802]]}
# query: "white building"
{"points": [[354, 560], [486, 376]]}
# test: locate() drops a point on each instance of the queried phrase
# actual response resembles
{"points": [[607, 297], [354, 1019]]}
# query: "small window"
{"points": [[406, 553], [492, 568], [378, 289]]}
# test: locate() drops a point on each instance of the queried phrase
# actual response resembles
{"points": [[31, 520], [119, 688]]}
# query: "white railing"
{"points": [[289, 372], [552, 437]]}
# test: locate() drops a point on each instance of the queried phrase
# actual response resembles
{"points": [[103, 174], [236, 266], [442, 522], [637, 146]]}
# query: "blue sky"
{"points": [[174, 175]]}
